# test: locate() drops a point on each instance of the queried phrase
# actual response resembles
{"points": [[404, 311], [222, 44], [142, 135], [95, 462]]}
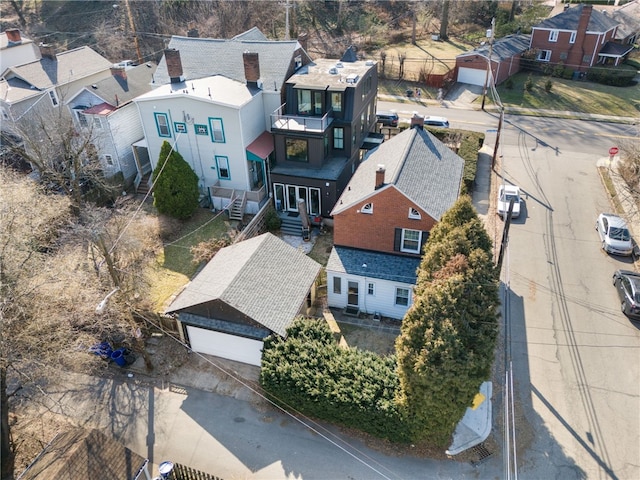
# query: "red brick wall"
{"points": [[376, 231]]}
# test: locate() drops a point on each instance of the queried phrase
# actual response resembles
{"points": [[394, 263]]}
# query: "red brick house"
{"points": [[579, 37], [383, 218], [505, 60]]}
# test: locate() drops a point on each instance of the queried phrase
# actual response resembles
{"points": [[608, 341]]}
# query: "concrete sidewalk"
{"points": [[465, 96]]}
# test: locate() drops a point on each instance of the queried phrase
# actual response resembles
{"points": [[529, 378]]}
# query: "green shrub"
{"points": [[528, 84], [175, 184], [548, 85], [621, 76], [321, 379], [272, 221]]}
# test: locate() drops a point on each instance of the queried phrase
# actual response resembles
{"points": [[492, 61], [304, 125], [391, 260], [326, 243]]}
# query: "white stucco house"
{"points": [[211, 122], [213, 101]]}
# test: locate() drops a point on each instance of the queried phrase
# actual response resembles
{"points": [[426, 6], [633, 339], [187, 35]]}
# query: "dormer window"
{"points": [[415, 214], [367, 208], [298, 62]]}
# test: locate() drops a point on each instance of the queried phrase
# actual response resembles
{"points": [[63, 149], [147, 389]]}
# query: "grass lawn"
{"points": [[175, 266], [575, 96]]}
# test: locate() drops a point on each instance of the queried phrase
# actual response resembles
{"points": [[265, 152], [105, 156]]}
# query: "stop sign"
{"points": [[614, 150]]}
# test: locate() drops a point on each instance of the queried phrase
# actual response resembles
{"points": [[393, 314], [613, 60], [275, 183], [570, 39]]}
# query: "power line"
{"points": [[296, 415]]}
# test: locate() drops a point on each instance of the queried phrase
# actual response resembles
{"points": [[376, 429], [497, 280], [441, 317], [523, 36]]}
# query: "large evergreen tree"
{"points": [[175, 184], [445, 350]]}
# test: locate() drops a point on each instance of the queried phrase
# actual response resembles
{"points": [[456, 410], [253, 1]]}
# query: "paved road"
{"points": [[236, 439], [575, 355]]}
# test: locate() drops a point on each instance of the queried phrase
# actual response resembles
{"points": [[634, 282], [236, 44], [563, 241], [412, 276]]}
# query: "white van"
{"points": [[440, 122]]}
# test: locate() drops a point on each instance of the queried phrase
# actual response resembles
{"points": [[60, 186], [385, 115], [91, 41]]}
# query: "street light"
{"points": [[103, 304]]}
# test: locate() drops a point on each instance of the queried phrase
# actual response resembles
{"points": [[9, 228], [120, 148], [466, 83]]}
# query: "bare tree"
{"points": [[63, 155], [444, 20], [53, 274]]}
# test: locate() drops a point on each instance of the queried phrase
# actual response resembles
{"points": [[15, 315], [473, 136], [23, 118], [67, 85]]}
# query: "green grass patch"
{"points": [[570, 95], [611, 190], [202, 226]]}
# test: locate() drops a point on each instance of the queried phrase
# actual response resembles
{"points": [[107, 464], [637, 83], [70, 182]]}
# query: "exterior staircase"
{"points": [[236, 207], [291, 224], [144, 187]]}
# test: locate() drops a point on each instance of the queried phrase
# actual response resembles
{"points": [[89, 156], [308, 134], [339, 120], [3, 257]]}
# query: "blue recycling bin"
{"points": [[118, 357], [103, 350]]}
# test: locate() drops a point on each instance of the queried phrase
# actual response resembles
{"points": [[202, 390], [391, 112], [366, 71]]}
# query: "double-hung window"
{"points": [[402, 297], [553, 36], [411, 241], [222, 166], [217, 130], [162, 124]]}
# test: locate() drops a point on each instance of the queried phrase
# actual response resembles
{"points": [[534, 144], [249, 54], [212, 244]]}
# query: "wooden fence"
{"points": [[182, 472]]}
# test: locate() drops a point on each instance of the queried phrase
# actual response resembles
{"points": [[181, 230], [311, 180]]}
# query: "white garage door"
{"points": [[224, 345], [472, 76]]}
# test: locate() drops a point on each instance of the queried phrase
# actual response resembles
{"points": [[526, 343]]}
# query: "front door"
{"points": [[352, 294]]}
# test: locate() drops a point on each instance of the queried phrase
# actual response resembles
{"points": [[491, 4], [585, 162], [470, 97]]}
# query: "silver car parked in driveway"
{"points": [[614, 234]]}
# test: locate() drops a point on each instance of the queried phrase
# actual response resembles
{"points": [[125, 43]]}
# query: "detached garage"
{"points": [[248, 291], [505, 60]]}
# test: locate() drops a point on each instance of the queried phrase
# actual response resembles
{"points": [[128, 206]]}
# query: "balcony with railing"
{"points": [[300, 123]]}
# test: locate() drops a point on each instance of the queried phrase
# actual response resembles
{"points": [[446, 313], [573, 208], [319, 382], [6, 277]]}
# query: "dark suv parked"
{"points": [[387, 119]]}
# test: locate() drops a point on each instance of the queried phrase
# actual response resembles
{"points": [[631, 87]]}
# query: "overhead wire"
{"points": [[290, 411]]}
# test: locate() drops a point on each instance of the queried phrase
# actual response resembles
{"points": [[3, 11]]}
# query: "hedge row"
{"points": [[310, 372]]}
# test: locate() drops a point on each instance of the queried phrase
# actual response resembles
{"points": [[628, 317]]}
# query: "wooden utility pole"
{"points": [[495, 147], [486, 78], [133, 29]]}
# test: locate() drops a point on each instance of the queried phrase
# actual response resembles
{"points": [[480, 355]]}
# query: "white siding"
{"points": [[198, 150], [18, 55], [125, 129], [382, 301]]}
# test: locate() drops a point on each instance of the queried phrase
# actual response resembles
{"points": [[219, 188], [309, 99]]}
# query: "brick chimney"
{"points": [[576, 51], [117, 71], [251, 68], [417, 121], [174, 65], [13, 37], [380, 177], [48, 51], [303, 40]]}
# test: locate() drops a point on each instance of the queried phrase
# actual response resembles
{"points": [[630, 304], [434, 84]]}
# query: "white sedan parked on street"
{"points": [[614, 234], [505, 194]]}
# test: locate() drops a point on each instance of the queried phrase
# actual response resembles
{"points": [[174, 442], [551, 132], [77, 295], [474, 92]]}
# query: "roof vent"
{"points": [[339, 65], [352, 78], [333, 71], [369, 63]]}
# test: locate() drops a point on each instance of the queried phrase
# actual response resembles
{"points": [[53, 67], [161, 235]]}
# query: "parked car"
{"points": [[614, 234], [388, 119], [627, 284], [436, 122], [505, 194]]}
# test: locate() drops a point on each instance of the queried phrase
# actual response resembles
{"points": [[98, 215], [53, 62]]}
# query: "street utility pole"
{"points": [[486, 78]]}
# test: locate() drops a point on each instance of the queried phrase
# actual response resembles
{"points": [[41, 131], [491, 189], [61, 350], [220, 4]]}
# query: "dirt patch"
{"points": [[362, 338]]}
